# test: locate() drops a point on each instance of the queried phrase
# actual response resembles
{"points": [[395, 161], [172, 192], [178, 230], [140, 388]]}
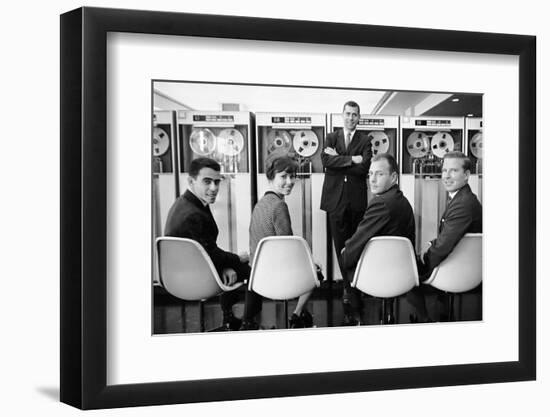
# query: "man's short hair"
{"points": [[388, 157], [200, 163], [280, 164], [466, 163], [352, 103]]}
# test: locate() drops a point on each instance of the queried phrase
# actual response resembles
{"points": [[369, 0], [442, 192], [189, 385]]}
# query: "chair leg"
{"points": [[459, 307], [183, 318], [391, 314], [286, 314], [451, 306], [201, 315], [388, 313]]}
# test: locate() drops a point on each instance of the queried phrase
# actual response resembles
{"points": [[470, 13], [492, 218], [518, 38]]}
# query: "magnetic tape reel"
{"points": [[202, 141], [379, 141], [418, 144], [161, 141], [476, 145], [442, 142], [230, 142], [305, 143], [278, 141]]}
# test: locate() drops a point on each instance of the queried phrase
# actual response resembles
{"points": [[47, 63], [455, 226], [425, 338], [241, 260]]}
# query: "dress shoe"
{"points": [[413, 318], [307, 318], [350, 321], [231, 323], [249, 325], [295, 322]]}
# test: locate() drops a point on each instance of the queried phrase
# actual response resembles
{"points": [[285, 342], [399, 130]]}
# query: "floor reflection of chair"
{"points": [[283, 269], [461, 271], [386, 269], [186, 271]]}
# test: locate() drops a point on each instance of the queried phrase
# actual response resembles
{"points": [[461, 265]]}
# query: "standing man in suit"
{"points": [[190, 217], [346, 159], [389, 213], [462, 215]]}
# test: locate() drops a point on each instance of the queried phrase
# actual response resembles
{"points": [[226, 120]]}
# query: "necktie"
{"points": [[348, 138]]}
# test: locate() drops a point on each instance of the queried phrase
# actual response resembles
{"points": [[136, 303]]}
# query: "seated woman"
{"points": [[270, 217]]}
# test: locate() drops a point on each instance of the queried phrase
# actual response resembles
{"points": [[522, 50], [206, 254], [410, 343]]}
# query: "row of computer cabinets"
{"points": [[242, 141]]}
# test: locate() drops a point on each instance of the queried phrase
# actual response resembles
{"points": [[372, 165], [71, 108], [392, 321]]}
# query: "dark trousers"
{"points": [[252, 301], [417, 296], [343, 224]]}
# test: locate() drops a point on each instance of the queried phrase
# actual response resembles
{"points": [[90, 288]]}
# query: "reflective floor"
{"points": [[175, 316]]}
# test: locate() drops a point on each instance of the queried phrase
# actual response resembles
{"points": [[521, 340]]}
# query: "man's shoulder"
{"points": [[391, 196], [379, 203], [183, 203], [186, 210], [362, 138], [395, 200], [466, 198], [335, 134]]}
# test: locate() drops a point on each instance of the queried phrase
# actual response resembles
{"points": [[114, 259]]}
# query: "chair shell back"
{"points": [[387, 267], [283, 268], [185, 269], [461, 271]]}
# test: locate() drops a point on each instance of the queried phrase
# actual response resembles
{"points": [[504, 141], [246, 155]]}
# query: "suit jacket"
{"points": [[462, 215], [190, 218], [340, 169], [388, 214]]}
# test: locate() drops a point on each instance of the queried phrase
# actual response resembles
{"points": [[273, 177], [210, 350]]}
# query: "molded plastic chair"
{"points": [[283, 269], [461, 271], [386, 269], [186, 271]]}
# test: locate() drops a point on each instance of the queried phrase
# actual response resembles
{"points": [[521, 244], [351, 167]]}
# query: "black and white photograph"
{"points": [[255, 208], [292, 207], [265, 208]]}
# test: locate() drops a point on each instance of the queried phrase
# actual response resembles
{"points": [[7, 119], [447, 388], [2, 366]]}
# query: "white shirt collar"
{"points": [[452, 195], [351, 132]]}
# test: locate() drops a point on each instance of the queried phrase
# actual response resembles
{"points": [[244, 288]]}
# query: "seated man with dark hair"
{"points": [[190, 217], [462, 215], [389, 213]]}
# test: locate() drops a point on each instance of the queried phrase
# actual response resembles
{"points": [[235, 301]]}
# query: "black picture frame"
{"points": [[84, 207]]}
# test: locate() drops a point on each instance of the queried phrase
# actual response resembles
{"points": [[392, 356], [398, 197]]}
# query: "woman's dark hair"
{"points": [[280, 164]]}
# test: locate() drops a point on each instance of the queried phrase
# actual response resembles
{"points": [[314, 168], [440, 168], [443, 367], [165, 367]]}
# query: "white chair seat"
{"points": [[186, 271], [387, 267], [461, 271], [283, 268]]}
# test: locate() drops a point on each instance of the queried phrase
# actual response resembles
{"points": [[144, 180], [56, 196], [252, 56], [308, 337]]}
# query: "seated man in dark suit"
{"points": [[389, 213], [190, 217], [462, 215]]}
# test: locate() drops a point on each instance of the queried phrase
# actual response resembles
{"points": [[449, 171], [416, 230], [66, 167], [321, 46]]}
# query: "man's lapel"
{"points": [[451, 204], [341, 143], [355, 141]]}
